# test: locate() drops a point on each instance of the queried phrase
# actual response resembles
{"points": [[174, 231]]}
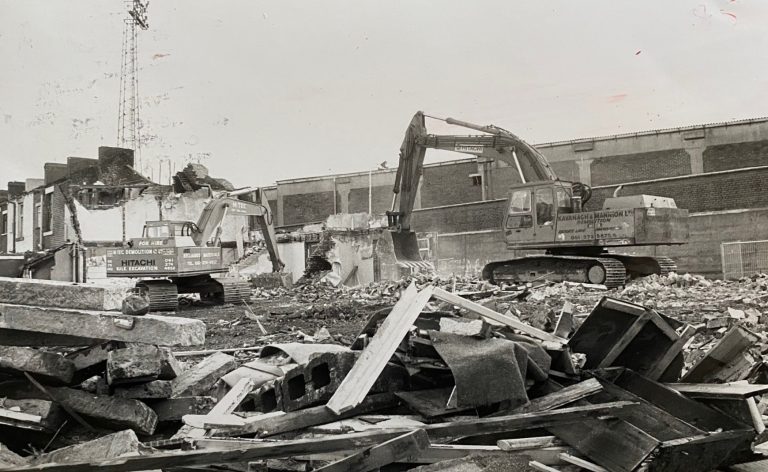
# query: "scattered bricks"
{"points": [[157, 389], [464, 327], [173, 409], [61, 294], [201, 378], [148, 329], [106, 447], [717, 323], [91, 360], [138, 363], [48, 366], [109, 412]]}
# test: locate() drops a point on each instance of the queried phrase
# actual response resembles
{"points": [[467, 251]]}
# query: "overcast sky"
{"points": [[280, 89]]}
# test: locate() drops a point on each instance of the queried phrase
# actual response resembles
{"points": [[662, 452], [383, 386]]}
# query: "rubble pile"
{"points": [[450, 375]]}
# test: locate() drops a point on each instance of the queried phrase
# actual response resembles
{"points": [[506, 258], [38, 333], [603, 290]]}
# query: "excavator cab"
{"points": [[166, 233], [532, 210]]}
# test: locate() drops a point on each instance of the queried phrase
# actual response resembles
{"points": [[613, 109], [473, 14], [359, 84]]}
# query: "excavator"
{"points": [[175, 257], [542, 213]]}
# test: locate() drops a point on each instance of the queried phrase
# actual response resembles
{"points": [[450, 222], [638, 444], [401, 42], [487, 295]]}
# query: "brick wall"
{"points": [[734, 156], [460, 218], [704, 192], [307, 207], [449, 185], [381, 198], [641, 166]]}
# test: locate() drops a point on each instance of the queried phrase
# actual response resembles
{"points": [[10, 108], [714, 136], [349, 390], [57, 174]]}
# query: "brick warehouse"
{"points": [[716, 171]]}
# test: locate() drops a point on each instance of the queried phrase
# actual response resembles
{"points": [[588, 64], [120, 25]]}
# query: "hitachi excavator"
{"points": [[543, 213], [175, 257]]}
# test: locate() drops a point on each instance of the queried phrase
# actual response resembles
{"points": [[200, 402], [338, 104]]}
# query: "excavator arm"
{"points": [[218, 209]]}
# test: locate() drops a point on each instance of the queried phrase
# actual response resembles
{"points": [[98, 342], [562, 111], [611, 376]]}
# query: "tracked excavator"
{"points": [[542, 212], [174, 257]]}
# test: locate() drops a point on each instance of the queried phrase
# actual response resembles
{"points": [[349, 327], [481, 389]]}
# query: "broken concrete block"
{"points": [[148, 329], [138, 363], [260, 372], [717, 323], [200, 379], [463, 327], [91, 360], [9, 458], [169, 366], [96, 384], [109, 412], [173, 409], [106, 447], [48, 366], [157, 389], [61, 294]]}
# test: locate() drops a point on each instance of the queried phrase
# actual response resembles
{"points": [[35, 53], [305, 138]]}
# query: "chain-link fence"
{"points": [[743, 258]]}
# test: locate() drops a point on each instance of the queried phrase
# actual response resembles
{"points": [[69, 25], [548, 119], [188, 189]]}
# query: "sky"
{"points": [[261, 91]]}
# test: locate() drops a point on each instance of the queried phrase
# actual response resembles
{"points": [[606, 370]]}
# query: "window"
{"points": [[519, 205], [20, 220], [563, 201], [477, 179], [544, 206], [4, 223], [47, 222], [520, 202]]}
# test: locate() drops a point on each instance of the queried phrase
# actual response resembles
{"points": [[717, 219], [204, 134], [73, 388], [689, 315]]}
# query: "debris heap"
{"points": [[451, 376]]}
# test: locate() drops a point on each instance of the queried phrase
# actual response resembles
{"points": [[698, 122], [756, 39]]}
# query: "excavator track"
{"points": [[641, 266], [666, 265], [234, 290], [163, 294], [597, 270]]}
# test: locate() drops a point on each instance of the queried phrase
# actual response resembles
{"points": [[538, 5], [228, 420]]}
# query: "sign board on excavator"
{"points": [[151, 261]]}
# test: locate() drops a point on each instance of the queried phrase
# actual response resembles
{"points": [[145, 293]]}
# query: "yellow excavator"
{"points": [[175, 257], [543, 213]]}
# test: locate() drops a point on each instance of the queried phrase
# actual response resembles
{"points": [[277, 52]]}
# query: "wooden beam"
{"points": [[265, 450], [626, 338], [672, 352], [496, 316], [383, 454], [586, 465], [271, 424], [536, 465], [562, 397], [225, 406], [519, 444], [726, 391], [375, 356]]}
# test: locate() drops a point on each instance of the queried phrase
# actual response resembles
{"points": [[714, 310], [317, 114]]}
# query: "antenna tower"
{"points": [[128, 110]]}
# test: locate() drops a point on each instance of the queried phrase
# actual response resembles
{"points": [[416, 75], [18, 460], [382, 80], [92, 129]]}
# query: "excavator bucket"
{"points": [[407, 251]]}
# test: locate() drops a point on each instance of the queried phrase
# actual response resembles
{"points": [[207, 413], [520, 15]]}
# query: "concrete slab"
{"points": [[48, 366], [51, 414], [157, 389], [106, 447], [148, 329], [91, 360], [174, 409], [62, 294], [106, 411], [9, 458], [200, 379], [138, 363]]}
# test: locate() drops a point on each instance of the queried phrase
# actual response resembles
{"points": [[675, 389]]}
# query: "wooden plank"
{"points": [[225, 406], [383, 454], [147, 329], [757, 418], [536, 465], [519, 444], [614, 444], [672, 352], [264, 450], [626, 338], [272, 424], [584, 464], [734, 342], [726, 391], [496, 316], [562, 397], [564, 326], [375, 356], [709, 451]]}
